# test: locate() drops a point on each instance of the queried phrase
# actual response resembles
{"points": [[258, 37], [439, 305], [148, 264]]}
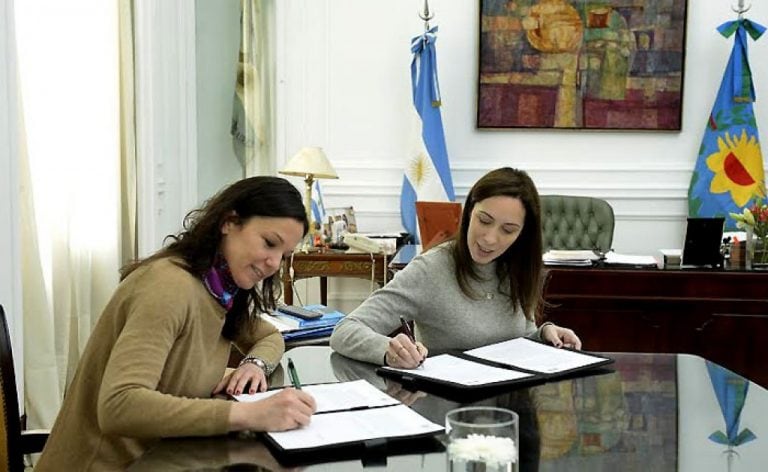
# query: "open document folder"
{"points": [[349, 414], [517, 361]]}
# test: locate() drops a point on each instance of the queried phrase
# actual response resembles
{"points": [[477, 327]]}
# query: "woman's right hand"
{"points": [[287, 409], [404, 353]]}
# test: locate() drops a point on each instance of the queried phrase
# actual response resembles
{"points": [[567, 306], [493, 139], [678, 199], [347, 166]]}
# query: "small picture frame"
{"points": [[338, 222], [703, 237]]}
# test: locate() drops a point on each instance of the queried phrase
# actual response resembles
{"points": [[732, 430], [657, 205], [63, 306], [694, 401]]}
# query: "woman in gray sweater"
{"points": [[482, 287]]}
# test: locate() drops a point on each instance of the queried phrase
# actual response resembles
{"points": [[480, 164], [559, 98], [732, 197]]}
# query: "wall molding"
{"points": [[166, 117], [396, 163]]}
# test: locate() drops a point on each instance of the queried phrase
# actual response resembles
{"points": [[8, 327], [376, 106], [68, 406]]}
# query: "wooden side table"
{"points": [[333, 264]]}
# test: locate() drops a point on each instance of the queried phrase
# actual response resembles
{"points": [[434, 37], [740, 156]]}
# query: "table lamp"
{"points": [[310, 163]]}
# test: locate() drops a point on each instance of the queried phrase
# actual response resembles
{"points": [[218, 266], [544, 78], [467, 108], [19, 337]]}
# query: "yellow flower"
{"points": [[744, 219]]}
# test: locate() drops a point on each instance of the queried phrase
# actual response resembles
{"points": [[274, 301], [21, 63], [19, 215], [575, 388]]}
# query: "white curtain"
{"points": [[69, 66], [253, 114]]}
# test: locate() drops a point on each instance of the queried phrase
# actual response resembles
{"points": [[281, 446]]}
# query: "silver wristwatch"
{"points": [[258, 362]]}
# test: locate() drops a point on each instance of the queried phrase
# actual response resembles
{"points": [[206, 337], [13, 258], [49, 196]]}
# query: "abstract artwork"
{"points": [[610, 64], [625, 420]]}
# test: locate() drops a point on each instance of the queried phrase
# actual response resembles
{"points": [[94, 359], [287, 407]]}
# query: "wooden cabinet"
{"points": [[719, 315], [332, 264]]}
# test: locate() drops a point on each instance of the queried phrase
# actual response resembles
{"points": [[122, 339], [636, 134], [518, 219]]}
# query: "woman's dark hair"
{"points": [[198, 243], [520, 266]]}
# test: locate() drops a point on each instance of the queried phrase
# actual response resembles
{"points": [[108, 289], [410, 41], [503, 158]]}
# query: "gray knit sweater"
{"points": [[427, 292]]}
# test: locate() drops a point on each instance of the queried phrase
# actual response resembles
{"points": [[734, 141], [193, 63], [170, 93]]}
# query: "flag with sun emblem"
{"points": [[427, 173], [729, 171]]}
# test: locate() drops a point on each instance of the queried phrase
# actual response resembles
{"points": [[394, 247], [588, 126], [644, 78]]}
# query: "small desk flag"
{"points": [[427, 172], [729, 171], [318, 207]]}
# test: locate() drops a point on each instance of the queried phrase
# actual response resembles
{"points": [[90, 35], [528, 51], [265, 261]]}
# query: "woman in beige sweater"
{"points": [[159, 350]]}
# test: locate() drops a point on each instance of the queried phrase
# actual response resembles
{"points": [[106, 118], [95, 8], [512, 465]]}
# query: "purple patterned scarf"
{"points": [[219, 282]]}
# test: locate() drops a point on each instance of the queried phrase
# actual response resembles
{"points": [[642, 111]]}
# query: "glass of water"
{"points": [[482, 439]]}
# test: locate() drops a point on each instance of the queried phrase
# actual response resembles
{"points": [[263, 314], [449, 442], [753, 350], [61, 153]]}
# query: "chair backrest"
{"points": [[11, 458], [438, 221], [570, 222]]}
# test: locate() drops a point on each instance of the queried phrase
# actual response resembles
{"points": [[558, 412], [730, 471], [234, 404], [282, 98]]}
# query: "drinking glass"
{"points": [[482, 439]]}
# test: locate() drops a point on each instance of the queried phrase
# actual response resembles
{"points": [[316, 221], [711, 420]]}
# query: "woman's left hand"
{"points": [[560, 337], [236, 381]]}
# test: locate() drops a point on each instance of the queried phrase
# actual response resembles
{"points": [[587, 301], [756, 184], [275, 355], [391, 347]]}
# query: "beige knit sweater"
{"points": [[148, 371]]}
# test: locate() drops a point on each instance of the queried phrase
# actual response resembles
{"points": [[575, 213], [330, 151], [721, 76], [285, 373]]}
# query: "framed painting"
{"points": [[581, 64]]}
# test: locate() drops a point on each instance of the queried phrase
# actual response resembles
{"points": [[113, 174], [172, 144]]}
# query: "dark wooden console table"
{"points": [[720, 315], [333, 264]]}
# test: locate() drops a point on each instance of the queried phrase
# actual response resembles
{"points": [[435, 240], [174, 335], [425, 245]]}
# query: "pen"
{"points": [[407, 330], [409, 333], [293, 375]]}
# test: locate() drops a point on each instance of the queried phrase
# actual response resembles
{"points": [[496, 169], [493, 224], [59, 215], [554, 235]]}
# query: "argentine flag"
{"points": [[427, 172], [729, 170], [318, 207]]}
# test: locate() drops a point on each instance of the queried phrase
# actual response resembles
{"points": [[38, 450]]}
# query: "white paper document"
{"points": [[626, 259], [277, 323], [573, 258], [335, 396], [531, 355], [358, 425], [461, 371]]}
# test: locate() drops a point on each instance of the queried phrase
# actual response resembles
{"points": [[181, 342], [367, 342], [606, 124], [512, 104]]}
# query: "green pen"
{"points": [[293, 375]]}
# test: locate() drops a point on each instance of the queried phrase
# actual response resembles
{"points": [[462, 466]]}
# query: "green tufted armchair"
{"points": [[570, 222]]}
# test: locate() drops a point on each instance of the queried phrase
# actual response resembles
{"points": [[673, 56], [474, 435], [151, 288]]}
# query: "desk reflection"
{"points": [[660, 412]]}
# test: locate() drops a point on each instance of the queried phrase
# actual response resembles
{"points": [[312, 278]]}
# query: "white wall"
{"points": [[344, 85], [343, 82]]}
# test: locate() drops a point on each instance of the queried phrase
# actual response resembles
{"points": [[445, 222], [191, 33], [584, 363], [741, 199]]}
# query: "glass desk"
{"points": [[655, 412]]}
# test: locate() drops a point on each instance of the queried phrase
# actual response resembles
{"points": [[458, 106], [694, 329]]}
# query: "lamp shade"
{"points": [[310, 161]]}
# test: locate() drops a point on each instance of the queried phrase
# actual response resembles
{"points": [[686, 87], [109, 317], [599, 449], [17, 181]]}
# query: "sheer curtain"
{"points": [[77, 160], [252, 118]]}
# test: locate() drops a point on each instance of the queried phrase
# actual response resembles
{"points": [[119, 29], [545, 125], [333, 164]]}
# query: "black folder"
{"points": [[372, 450], [337, 433], [421, 381]]}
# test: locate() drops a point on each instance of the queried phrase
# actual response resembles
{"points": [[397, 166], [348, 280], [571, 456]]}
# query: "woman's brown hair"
{"points": [[198, 242], [520, 265]]}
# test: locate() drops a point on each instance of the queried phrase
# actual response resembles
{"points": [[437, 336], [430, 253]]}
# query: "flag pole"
{"points": [[427, 15], [741, 9]]}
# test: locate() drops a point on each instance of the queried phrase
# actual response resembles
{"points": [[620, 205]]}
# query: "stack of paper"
{"points": [[294, 328], [577, 258], [288, 323]]}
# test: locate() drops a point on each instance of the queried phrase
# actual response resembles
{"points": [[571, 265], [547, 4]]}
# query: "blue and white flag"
{"points": [[427, 172], [729, 170], [318, 207], [731, 391]]}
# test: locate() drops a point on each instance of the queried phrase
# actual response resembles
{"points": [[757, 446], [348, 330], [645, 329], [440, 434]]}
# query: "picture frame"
{"points": [[338, 222], [703, 237], [581, 64]]}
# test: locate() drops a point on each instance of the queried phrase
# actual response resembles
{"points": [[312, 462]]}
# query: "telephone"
{"points": [[360, 243]]}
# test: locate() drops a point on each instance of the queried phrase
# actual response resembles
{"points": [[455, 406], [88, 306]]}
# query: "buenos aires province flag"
{"points": [[729, 171], [427, 172]]}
